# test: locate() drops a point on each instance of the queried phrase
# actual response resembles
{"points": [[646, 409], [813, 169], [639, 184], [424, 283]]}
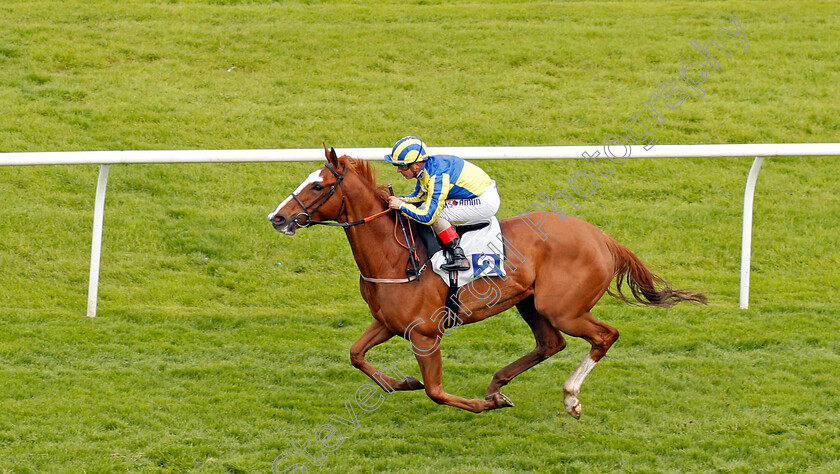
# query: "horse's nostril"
{"points": [[278, 219]]}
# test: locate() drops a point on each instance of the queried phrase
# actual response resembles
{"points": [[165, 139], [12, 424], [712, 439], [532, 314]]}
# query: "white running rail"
{"points": [[106, 158]]}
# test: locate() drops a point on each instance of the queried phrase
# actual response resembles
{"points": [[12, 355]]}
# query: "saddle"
{"points": [[427, 238]]}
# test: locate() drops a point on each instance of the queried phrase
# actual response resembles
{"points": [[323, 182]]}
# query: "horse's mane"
{"points": [[367, 173]]}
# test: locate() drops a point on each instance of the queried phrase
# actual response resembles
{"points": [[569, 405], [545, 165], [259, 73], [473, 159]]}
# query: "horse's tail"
{"points": [[642, 282]]}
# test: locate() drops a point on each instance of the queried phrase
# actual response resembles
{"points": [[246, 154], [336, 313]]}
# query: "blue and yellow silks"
{"points": [[443, 177]]}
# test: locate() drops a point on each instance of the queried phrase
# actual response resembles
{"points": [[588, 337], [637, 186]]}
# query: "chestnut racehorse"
{"points": [[556, 272]]}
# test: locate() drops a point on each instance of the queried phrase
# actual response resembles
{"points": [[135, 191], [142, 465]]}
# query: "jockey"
{"points": [[448, 190]]}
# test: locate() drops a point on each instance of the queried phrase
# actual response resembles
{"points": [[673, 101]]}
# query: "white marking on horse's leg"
{"points": [[571, 388], [313, 177]]}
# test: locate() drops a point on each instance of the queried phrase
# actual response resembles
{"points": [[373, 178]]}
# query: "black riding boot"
{"points": [[455, 258]]}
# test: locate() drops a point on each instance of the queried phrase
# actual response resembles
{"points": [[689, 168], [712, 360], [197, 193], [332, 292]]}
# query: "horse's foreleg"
{"points": [[549, 342], [375, 334], [428, 357]]}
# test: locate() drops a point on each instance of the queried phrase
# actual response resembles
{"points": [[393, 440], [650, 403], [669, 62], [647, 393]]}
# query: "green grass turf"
{"points": [[210, 356]]}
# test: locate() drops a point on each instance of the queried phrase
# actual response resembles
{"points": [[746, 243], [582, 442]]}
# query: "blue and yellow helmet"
{"points": [[406, 151]]}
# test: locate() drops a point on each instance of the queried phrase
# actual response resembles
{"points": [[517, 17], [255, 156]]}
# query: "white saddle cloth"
{"points": [[484, 250]]}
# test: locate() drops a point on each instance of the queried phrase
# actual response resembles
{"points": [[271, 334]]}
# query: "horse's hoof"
{"points": [[502, 401], [572, 405], [413, 383], [575, 411]]}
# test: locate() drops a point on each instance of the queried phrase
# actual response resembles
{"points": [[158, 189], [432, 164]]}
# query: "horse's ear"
{"points": [[326, 152], [331, 157]]}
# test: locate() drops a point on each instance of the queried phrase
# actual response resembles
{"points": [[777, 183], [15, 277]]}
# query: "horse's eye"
{"points": [[317, 187]]}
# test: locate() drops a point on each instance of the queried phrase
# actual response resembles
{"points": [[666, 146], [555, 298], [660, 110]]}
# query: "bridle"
{"points": [[307, 212]]}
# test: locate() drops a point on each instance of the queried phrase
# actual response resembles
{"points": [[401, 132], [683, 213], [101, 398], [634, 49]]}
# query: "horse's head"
{"points": [[319, 197]]}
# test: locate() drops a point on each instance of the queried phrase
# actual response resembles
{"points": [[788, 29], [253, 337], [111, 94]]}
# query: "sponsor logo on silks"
{"points": [[486, 264], [463, 202]]}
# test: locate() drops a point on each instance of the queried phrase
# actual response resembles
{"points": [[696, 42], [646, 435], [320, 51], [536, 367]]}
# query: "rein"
{"points": [[307, 213], [342, 224]]}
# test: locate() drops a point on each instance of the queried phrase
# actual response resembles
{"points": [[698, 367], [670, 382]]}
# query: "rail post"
{"points": [[746, 231], [96, 243]]}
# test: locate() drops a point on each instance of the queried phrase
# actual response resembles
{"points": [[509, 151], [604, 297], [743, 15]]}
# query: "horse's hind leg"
{"points": [[549, 342], [600, 335]]}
